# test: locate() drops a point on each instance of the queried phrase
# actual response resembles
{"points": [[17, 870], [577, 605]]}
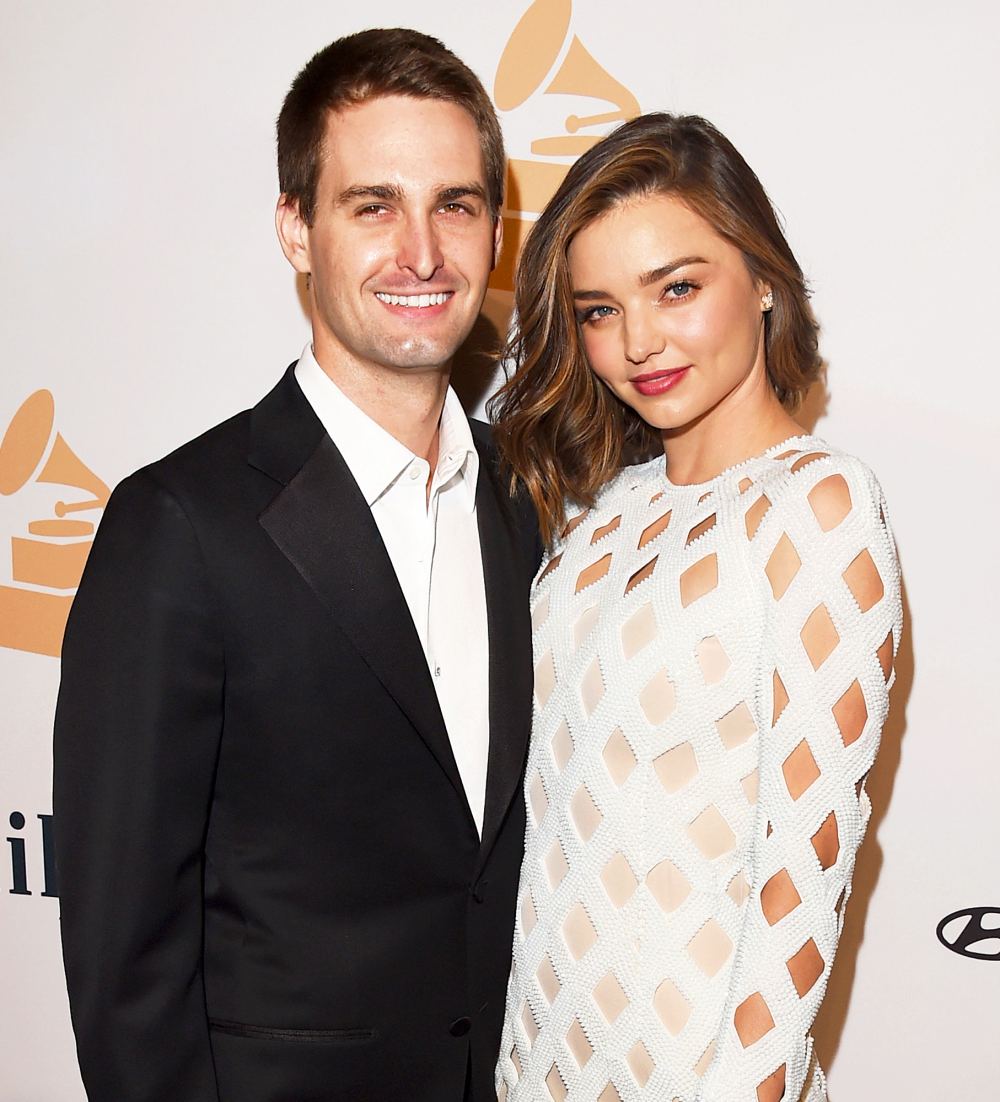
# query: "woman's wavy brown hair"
{"points": [[561, 432]]}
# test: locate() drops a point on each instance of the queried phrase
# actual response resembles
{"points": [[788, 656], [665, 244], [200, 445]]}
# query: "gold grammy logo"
{"points": [[47, 563], [531, 53]]}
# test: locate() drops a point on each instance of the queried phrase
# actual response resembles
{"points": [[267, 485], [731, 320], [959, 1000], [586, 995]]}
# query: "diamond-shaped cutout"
{"points": [[676, 767], [537, 798], [713, 659], [671, 1007], [806, 967], [575, 523], [739, 889], [710, 947], [651, 531], [548, 981], [555, 865], [736, 726], [751, 787], [609, 1094], [619, 880], [753, 1019], [641, 575], [528, 1021], [755, 514], [699, 579], [589, 575], [826, 842], [779, 897], [782, 566], [618, 757], [578, 932], [555, 1086], [864, 581], [800, 770], [819, 636], [550, 568], [658, 699], [830, 501], [528, 917], [516, 1061], [577, 1043], [640, 1063], [605, 530], [545, 678], [805, 460], [851, 713], [540, 613], [780, 698], [700, 529], [712, 834], [744, 485], [584, 625], [592, 687], [586, 814], [610, 998], [562, 746], [668, 885], [706, 1058], [638, 631]]}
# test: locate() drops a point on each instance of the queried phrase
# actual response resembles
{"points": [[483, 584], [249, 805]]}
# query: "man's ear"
{"points": [[497, 242], [293, 234]]}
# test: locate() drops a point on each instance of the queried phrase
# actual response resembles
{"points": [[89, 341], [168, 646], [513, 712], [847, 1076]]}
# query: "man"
{"points": [[296, 681]]}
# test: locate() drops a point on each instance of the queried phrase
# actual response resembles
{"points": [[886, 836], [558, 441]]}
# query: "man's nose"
{"points": [[418, 249], [643, 338]]}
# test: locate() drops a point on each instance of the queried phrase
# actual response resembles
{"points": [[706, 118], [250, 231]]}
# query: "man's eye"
{"points": [[372, 210], [456, 208]]}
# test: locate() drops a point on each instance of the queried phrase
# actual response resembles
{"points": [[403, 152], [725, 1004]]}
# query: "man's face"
{"points": [[402, 242]]}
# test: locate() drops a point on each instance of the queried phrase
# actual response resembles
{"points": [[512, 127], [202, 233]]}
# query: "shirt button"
{"points": [[460, 1027], [414, 474]]}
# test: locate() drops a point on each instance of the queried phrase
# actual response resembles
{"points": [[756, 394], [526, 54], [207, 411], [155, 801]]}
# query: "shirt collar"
{"points": [[375, 457]]}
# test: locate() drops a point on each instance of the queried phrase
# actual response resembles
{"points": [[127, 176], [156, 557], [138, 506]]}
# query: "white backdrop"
{"points": [[142, 286]]}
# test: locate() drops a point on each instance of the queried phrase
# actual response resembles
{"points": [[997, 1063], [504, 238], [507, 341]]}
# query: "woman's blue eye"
{"points": [[680, 289]]}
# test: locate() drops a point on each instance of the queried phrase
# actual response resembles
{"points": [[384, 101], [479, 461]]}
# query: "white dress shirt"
{"points": [[433, 545]]}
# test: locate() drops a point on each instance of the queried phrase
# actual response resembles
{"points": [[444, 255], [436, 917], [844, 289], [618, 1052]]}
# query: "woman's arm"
{"points": [[829, 571]]}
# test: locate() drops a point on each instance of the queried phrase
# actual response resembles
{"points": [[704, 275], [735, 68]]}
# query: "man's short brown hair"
{"points": [[364, 66]]}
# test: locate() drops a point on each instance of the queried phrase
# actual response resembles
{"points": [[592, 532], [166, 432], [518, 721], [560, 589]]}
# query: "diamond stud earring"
{"points": [[767, 301]]}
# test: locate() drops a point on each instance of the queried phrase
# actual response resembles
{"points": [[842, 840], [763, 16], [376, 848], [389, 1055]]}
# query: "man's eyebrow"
{"points": [[385, 192], [654, 275], [461, 191]]}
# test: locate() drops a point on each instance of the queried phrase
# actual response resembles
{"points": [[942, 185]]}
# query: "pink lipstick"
{"points": [[659, 382]]}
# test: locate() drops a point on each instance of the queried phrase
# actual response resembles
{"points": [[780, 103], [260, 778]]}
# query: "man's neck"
{"points": [[407, 405]]}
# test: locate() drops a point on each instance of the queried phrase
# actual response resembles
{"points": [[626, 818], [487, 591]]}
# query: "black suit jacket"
{"points": [[273, 889]]}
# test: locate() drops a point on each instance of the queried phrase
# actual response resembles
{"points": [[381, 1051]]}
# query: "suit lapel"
{"points": [[510, 670], [321, 523]]}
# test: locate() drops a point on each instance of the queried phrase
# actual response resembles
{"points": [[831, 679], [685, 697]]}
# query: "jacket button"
{"points": [[460, 1027]]}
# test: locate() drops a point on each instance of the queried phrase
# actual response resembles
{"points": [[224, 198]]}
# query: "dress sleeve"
{"points": [[826, 562]]}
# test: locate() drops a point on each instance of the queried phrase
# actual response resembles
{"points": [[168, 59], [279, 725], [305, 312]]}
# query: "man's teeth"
{"points": [[413, 300]]}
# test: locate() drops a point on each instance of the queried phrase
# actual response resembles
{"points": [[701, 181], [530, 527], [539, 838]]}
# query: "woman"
{"points": [[713, 639]]}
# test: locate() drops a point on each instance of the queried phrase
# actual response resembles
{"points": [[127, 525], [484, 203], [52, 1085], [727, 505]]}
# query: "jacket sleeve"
{"points": [[825, 558], [137, 731]]}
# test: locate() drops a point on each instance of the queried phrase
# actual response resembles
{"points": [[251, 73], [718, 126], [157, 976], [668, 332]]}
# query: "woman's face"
{"points": [[671, 318]]}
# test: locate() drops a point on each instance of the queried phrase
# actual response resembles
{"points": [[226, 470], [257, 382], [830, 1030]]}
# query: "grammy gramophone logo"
{"points": [[46, 560], [544, 57]]}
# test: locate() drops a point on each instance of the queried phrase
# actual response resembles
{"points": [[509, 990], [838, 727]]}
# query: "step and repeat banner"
{"points": [[144, 298]]}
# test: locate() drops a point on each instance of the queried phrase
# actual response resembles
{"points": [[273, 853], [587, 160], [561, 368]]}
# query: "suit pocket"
{"points": [[295, 1036]]}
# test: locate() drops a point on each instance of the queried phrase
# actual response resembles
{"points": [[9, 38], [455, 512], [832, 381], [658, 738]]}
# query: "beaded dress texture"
{"points": [[712, 667]]}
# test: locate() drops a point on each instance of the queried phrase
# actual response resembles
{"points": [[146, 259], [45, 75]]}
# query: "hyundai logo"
{"points": [[974, 932]]}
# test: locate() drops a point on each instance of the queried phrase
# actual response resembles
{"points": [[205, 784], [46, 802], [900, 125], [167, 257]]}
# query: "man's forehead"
{"points": [[402, 141]]}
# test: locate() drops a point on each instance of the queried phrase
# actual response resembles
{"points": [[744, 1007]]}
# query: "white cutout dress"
{"points": [[676, 700]]}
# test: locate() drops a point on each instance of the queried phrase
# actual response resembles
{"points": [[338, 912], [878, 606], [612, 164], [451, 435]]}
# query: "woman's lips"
{"points": [[659, 382]]}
